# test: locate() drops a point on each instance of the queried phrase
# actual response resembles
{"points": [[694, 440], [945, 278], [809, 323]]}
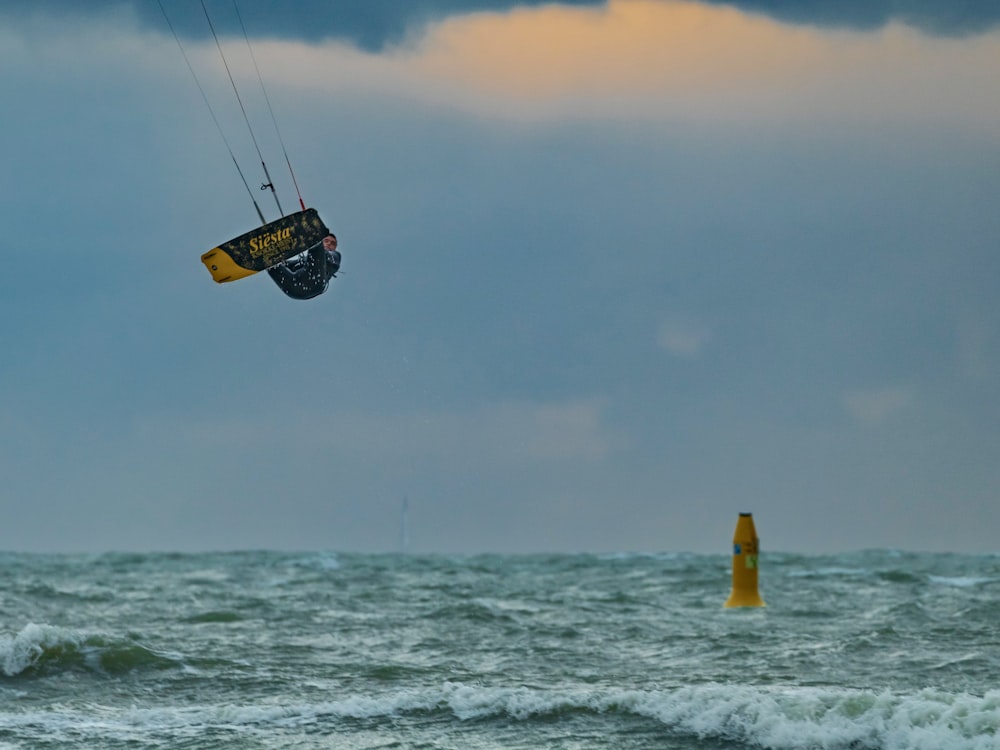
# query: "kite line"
{"points": [[270, 109], [269, 183], [211, 111]]}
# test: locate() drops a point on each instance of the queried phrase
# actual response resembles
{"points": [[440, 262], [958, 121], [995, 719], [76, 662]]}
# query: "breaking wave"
{"points": [[41, 650]]}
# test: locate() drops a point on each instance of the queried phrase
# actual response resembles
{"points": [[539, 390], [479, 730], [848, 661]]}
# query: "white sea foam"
{"points": [[829, 572], [774, 718], [318, 561], [829, 718], [659, 556], [959, 581], [501, 607]]}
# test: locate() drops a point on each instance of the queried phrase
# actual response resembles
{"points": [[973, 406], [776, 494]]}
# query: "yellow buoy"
{"points": [[746, 547]]}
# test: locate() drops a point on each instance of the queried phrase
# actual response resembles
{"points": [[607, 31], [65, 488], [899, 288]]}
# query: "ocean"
{"points": [[879, 650]]}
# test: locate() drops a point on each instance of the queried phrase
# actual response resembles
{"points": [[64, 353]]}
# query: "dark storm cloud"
{"points": [[370, 24], [945, 17], [374, 24]]}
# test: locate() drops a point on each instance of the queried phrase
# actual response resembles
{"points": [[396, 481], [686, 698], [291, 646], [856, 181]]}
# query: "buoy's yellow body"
{"points": [[746, 547]]}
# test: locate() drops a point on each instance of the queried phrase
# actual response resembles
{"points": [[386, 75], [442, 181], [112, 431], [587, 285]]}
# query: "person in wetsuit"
{"points": [[307, 275]]}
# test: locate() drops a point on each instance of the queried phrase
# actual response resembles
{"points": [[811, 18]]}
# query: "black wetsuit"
{"points": [[306, 276]]}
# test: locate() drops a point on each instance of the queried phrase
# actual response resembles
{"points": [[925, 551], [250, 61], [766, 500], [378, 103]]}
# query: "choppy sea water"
{"points": [[879, 650]]}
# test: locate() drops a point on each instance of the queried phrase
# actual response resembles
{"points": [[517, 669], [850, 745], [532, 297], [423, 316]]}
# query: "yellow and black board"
{"points": [[266, 246]]}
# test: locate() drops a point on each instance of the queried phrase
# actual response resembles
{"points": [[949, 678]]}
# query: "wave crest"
{"points": [[40, 650]]}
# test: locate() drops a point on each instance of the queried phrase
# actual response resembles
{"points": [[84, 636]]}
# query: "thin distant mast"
{"points": [[404, 527]]}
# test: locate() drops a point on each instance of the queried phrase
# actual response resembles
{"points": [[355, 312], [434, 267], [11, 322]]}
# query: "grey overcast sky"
{"points": [[613, 273]]}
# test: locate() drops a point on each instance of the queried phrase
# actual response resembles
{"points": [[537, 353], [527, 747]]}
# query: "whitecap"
{"points": [[19, 652], [959, 581]]}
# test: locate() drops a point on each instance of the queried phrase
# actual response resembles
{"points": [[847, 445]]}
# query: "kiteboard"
{"points": [[266, 246]]}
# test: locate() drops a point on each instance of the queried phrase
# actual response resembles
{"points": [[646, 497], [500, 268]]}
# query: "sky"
{"points": [[613, 273]]}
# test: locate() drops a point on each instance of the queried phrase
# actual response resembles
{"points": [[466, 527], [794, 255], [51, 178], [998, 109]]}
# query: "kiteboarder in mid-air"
{"points": [[297, 250], [307, 275]]}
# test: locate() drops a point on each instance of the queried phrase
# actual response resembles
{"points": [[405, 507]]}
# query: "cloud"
{"points": [[678, 62], [975, 347], [873, 406], [372, 25], [497, 437], [375, 25], [930, 16], [684, 338]]}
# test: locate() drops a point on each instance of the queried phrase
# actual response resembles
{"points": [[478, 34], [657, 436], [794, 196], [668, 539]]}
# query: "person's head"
{"points": [[330, 242]]}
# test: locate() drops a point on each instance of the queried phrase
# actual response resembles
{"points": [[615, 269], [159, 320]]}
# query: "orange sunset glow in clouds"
{"points": [[664, 60]]}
